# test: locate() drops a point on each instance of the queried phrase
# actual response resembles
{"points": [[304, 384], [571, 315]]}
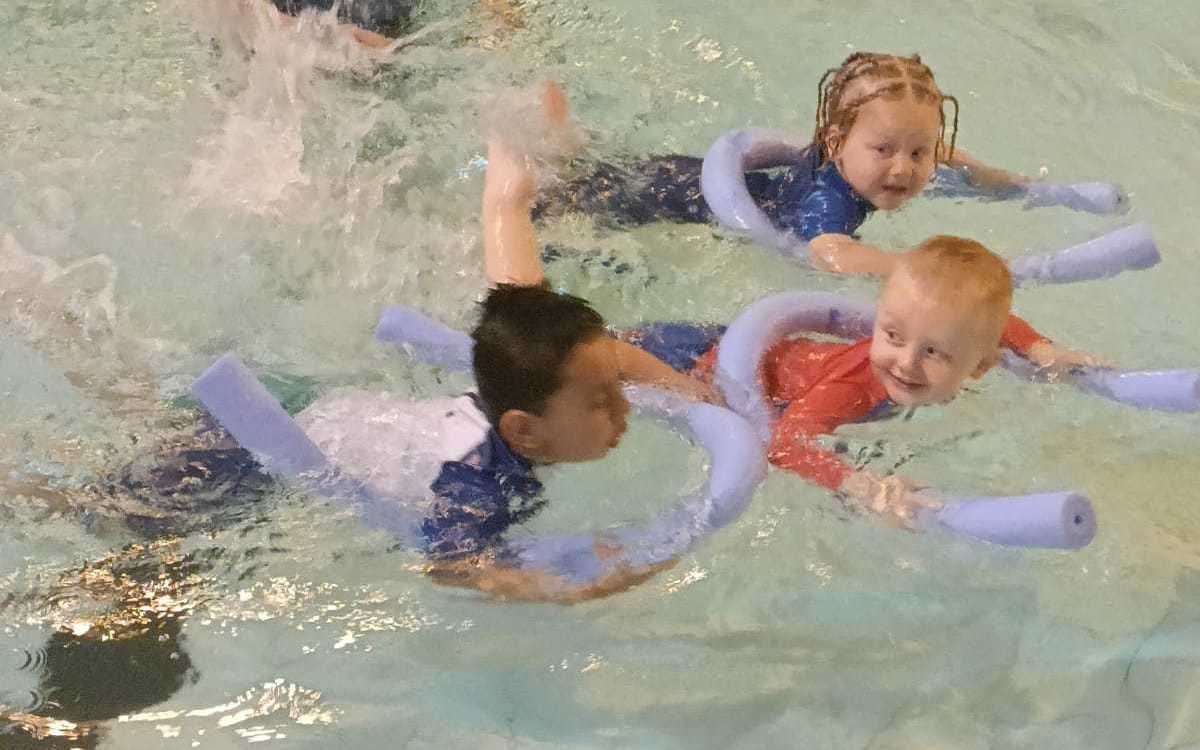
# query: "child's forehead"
{"points": [[903, 113], [592, 364], [926, 303]]}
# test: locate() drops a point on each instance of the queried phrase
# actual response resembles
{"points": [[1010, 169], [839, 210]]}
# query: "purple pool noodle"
{"points": [[430, 340], [1092, 197], [1123, 249], [723, 184], [255, 419], [1160, 390], [1056, 520]]}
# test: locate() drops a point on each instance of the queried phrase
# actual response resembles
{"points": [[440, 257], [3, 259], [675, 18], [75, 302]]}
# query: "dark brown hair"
{"points": [[522, 344]]}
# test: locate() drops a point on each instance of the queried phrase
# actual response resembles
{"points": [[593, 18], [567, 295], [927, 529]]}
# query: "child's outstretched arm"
{"points": [[988, 179], [794, 447], [841, 253], [1021, 338], [515, 585], [639, 366]]}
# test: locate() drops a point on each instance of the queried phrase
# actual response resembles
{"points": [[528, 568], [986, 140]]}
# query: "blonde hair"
{"points": [[894, 77], [967, 274]]}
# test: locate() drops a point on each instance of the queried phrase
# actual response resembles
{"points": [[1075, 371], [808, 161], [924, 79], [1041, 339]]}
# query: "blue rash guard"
{"points": [[811, 199]]}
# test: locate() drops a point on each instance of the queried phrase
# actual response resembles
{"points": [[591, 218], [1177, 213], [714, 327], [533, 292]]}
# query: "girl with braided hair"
{"points": [[881, 132]]}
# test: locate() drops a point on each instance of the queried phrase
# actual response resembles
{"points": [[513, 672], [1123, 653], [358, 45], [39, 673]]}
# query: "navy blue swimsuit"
{"points": [[808, 199], [478, 496], [387, 17]]}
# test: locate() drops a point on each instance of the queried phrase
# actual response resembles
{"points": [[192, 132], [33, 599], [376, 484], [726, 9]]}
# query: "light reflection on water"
{"points": [[181, 198]]}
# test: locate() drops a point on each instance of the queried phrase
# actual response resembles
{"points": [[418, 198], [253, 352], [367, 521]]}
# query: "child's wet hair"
{"points": [[963, 270], [522, 343], [894, 77]]}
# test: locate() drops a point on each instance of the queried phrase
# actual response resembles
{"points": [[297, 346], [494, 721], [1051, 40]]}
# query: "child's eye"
{"points": [[892, 337], [935, 353]]}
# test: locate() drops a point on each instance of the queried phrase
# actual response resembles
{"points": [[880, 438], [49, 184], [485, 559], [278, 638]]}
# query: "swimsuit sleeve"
{"points": [[1019, 336], [813, 211], [812, 199], [473, 507], [794, 446]]}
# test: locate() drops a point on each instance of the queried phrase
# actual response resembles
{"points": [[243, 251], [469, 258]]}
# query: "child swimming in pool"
{"points": [[940, 320], [879, 136], [549, 391]]}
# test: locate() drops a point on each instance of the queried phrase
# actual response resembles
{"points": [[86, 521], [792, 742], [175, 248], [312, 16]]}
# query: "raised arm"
{"points": [[509, 249]]}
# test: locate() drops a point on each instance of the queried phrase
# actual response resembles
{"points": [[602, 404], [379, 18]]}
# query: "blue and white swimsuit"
{"points": [[441, 456]]}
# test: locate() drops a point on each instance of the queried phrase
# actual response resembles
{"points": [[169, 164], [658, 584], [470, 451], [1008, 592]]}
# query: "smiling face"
{"points": [[583, 419], [928, 340], [890, 152]]}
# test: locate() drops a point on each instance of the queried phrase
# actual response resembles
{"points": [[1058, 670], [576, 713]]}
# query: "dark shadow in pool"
{"points": [[132, 656]]}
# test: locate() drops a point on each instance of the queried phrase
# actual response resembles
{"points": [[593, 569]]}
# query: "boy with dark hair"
{"points": [[549, 391]]}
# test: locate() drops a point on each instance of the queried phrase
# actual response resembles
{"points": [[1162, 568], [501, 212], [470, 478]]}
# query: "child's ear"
{"points": [[519, 429], [833, 142]]}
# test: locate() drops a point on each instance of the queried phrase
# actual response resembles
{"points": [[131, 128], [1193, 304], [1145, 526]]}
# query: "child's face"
{"points": [[925, 346], [585, 417], [889, 154]]}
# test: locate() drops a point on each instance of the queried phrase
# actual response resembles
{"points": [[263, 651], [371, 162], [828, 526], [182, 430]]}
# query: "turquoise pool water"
{"points": [[178, 196]]}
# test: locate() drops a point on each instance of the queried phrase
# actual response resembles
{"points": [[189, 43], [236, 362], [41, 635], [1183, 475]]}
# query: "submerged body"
{"points": [[387, 17]]}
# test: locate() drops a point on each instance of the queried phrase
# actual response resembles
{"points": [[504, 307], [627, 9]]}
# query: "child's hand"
{"points": [[1059, 360], [510, 172], [554, 103], [894, 497]]}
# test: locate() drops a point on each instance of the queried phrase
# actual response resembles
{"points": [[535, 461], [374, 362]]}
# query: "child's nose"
{"points": [[909, 359]]}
